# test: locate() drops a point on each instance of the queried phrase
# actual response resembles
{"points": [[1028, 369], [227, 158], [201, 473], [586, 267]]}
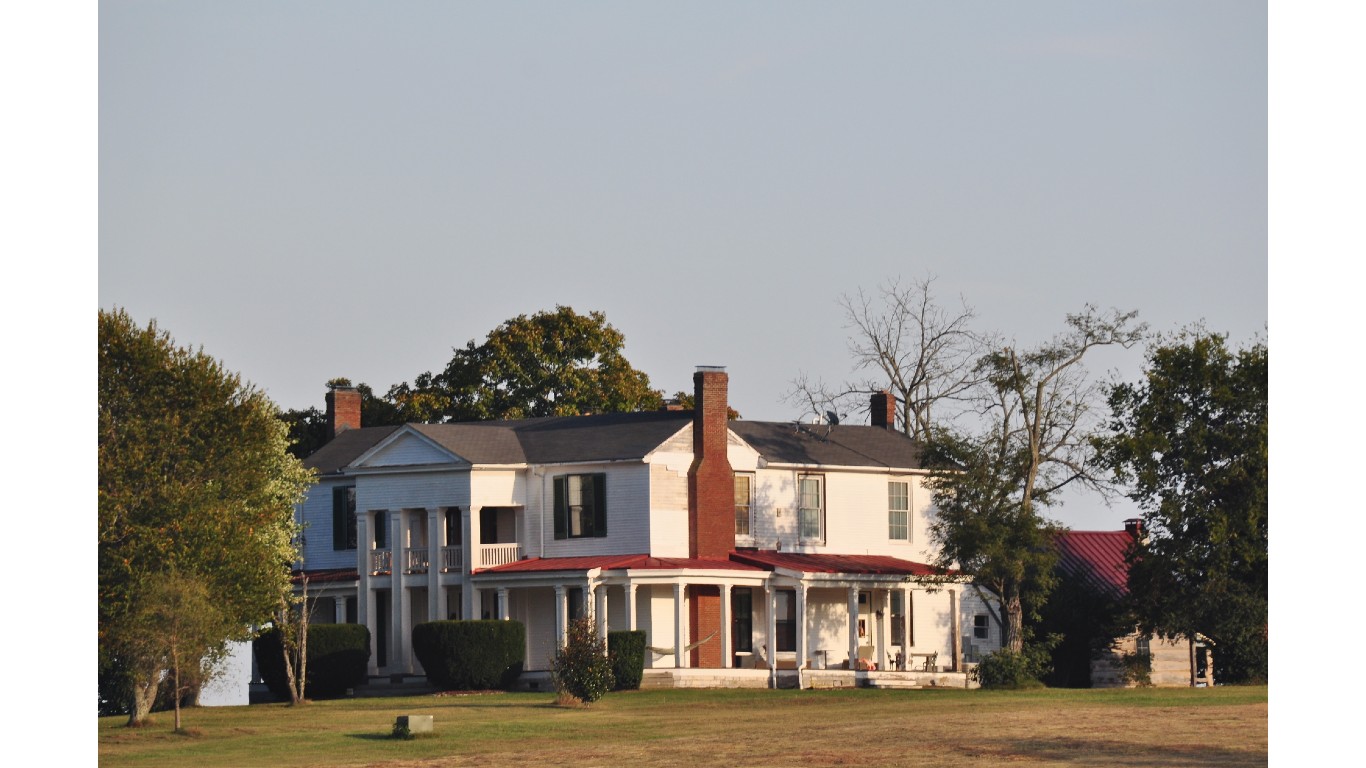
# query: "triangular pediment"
{"points": [[407, 448]]}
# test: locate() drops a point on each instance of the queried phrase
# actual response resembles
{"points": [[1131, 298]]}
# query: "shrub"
{"points": [[626, 649], [1005, 669], [470, 655], [581, 668], [337, 659]]}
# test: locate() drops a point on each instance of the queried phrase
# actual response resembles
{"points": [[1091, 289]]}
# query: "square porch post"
{"points": [[630, 594], [771, 633], [561, 615], [680, 619], [727, 658], [399, 600], [801, 632], [853, 627], [884, 630]]}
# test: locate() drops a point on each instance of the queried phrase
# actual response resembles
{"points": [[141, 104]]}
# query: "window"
{"points": [[811, 507], [785, 615], [581, 506], [344, 518], [1143, 647], [453, 527], [742, 619], [381, 530], [898, 614], [744, 496], [898, 511], [980, 628]]}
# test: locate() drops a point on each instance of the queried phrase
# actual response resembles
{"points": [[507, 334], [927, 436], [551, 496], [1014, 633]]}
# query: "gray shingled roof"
{"points": [[627, 436]]}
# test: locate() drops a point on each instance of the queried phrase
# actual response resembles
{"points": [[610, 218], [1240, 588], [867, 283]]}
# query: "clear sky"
{"points": [[321, 189]]}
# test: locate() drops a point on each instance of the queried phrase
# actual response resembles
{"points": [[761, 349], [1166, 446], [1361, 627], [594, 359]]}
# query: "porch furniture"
{"points": [[896, 661], [865, 658], [930, 658]]}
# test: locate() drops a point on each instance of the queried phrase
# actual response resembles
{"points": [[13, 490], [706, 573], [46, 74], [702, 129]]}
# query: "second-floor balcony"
{"points": [[451, 559], [490, 555]]}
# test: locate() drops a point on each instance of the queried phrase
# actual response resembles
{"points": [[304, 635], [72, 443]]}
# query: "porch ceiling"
{"points": [[872, 565]]}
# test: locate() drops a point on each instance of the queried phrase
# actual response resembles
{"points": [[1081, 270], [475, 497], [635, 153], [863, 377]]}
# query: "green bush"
{"points": [[1005, 669], [626, 649], [337, 658], [470, 655], [581, 668]]}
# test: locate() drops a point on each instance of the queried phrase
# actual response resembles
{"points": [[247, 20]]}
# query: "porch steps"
{"points": [[397, 685]]}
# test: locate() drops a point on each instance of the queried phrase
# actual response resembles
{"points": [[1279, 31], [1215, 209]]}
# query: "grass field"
{"points": [[1146, 727]]}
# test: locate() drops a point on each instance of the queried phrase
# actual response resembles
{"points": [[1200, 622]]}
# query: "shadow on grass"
{"points": [[1063, 751]]}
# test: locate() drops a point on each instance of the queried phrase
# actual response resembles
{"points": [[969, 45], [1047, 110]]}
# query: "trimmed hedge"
{"points": [[627, 651], [337, 659], [470, 655]]}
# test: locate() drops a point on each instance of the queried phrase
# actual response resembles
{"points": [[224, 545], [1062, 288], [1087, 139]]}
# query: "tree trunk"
{"points": [[144, 695], [1014, 611], [175, 692]]}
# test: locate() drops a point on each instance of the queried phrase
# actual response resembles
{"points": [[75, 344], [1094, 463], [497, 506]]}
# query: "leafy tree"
{"points": [[922, 352], [194, 478], [582, 668], [180, 630], [1191, 439], [989, 488], [308, 427], [687, 401], [556, 363]]}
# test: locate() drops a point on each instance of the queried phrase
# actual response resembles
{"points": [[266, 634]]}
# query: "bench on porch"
{"points": [[929, 663]]}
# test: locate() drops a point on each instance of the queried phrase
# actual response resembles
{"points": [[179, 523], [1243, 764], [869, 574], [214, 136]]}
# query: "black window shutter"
{"points": [[561, 510], [339, 518], [600, 505]]}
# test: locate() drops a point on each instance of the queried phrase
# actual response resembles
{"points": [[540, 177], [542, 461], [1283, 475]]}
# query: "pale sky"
{"points": [[319, 189]]}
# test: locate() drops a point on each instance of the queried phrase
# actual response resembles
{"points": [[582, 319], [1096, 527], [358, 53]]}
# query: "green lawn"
{"points": [[1146, 727]]}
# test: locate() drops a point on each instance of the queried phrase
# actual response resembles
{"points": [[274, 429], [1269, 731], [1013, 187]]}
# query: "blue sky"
{"points": [[311, 190]]}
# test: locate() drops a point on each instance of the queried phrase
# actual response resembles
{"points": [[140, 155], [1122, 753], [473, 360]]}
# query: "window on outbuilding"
{"points": [[581, 506], [980, 628]]}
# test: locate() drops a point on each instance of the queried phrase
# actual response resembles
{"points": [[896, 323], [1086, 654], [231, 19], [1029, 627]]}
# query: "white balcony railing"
{"points": [[452, 558], [381, 561], [499, 554], [416, 560]]}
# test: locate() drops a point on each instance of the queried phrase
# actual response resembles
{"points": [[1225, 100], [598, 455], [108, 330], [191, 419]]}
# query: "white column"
{"points": [[771, 633], [909, 616], [630, 590], [801, 631], [502, 606], [727, 658], [365, 597], [339, 609], [561, 615], [679, 622], [956, 626], [600, 610], [436, 539], [398, 595], [473, 602], [853, 627], [884, 630]]}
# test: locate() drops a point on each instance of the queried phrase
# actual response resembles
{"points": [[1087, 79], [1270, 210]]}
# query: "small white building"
{"points": [[735, 545]]}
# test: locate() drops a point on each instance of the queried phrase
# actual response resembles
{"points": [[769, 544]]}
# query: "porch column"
{"points": [[884, 630], [801, 632], [957, 628], [436, 541], [771, 633], [339, 609], [502, 604], [365, 598], [630, 591], [473, 601], [908, 615], [853, 627], [728, 658], [680, 620], [600, 610], [399, 600], [561, 614]]}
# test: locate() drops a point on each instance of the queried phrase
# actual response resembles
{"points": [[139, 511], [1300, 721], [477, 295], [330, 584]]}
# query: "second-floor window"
{"points": [[811, 507], [898, 511], [744, 502], [344, 518], [581, 506]]}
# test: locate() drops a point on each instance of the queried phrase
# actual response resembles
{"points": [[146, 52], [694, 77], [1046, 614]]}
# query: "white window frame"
{"points": [[749, 535], [802, 534], [905, 511]]}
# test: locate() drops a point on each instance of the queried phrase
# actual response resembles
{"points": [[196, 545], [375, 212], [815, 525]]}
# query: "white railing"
{"points": [[381, 561], [452, 558], [415, 559], [499, 554]]}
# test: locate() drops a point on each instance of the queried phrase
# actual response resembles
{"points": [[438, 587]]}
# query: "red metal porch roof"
{"points": [[814, 563], [614, 563]]}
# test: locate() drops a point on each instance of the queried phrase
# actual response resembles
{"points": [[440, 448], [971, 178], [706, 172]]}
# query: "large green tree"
{"points": [[556, 363], [195, 479], [990, 487], [1190, 439]]}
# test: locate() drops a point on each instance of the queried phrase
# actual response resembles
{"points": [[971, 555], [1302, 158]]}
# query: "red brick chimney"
{"points": [[711, 506], [884, 410], [343, 410], [1134, 527]]}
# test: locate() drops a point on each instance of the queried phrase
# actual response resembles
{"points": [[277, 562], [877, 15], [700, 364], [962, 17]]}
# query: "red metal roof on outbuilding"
{"points": [[812, 563], [1097, 557]]}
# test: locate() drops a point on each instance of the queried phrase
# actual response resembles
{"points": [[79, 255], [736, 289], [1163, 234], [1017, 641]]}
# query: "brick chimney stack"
{"points": [[343, 410], [1134, 527], [884, 410], [711, 485]]}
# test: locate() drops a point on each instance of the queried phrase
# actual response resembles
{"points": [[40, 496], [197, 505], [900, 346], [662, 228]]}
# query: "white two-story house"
{"points": [[742, 546]]}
